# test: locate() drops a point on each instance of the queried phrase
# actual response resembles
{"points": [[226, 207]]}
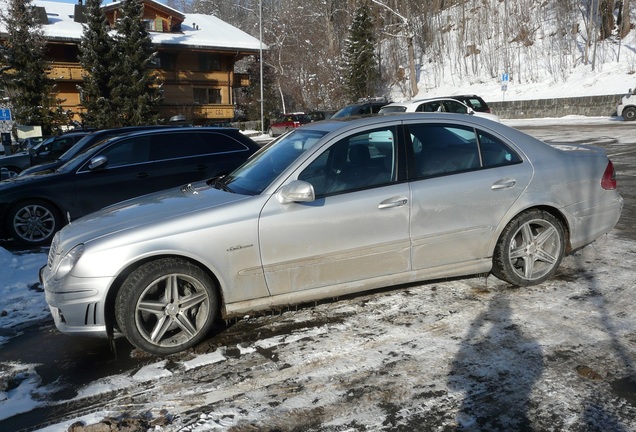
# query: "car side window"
{"points": [[128, 152], [455, 107], [494, 152], [443, 149], [429, 107], [187, 144], [357, 162]]}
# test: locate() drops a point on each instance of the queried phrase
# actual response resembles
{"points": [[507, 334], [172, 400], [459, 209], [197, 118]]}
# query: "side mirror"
{"points": [[97, 162], [296, 191]]}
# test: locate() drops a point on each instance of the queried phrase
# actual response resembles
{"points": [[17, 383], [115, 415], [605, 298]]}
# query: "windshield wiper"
{"points": [[219, 183]]}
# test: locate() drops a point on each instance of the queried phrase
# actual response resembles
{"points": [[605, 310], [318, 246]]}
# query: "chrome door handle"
{"points": [[393, 202], [504, 184]]}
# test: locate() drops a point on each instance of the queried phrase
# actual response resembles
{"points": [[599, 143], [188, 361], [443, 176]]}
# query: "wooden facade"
{"points": [[197, 74]]}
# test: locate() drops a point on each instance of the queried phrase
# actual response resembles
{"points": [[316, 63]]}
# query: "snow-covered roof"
{"points": [[210, 32]]}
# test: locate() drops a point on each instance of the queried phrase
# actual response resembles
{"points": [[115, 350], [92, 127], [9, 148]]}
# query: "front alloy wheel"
{"points": [[166, 306], [34, 222], [530, 249]]}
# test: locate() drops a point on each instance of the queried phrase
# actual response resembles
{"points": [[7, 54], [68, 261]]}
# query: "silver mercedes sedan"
{"points": [[329, 209]]}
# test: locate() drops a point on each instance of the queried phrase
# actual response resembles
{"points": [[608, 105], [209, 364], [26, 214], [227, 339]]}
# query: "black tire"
{"points": [[270, 132], [530, 249], [151, 318], [33, 222], [629, 113]]}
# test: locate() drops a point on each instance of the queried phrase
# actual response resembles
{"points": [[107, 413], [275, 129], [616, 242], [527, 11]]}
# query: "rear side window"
{"points": [[448, 149], [495, 153], [187, 144]]}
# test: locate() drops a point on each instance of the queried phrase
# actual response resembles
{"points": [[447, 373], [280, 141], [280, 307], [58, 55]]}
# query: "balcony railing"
{"points": [[66, 72]]}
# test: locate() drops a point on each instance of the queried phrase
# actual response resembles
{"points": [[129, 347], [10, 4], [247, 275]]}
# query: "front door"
{"points": [[356, 229]]}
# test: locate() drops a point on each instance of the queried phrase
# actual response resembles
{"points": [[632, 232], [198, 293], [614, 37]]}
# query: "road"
{"points": [[76, 363]]}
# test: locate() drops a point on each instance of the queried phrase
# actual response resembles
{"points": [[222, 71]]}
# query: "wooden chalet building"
{"points": [[195, 62]]}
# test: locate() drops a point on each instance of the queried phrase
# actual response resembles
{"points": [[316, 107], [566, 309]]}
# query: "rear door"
{"points": [[464, 181], [188, 156]]}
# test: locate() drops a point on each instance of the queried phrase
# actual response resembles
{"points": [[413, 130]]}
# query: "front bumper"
{"points": [[77, 304]]}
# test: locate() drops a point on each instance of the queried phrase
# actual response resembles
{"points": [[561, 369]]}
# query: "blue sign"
{"points": [[505, 77], [5, 115]]}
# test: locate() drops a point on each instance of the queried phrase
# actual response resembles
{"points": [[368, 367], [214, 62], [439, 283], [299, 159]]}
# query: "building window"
{"points": [[215, 96], [165, 61], [209, 62], [207, 96]]}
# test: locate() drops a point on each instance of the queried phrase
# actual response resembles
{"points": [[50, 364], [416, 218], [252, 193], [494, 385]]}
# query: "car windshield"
{"points": [[346, 111], [43, 143], [86, 153], [260, 170], [80, 147], [392, 109]]}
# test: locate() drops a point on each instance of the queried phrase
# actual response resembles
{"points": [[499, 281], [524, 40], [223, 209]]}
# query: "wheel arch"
{"points": [[109, 303], [547, 208]]}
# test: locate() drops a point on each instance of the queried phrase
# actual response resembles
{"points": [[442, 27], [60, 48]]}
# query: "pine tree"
{"points": [[361, 65], [135, 94], [96, 58], [33, 99], [248, 98]]}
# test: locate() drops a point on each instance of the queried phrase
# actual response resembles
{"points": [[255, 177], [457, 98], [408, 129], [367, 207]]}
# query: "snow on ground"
{"points": [[466, 354]]}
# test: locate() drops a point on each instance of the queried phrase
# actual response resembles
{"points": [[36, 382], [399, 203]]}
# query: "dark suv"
{"points": [[34, 207], [362, 107], [473, 101]]}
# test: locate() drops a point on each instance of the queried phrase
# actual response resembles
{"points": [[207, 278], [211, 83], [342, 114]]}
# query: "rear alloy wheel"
{"points": [[530, 249], [166, 306], [34, 222], [270, 132], [629, 113]]}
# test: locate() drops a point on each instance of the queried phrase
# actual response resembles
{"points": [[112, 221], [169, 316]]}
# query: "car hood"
{"points": [[46, 168], [147, 210], [35, 178]]}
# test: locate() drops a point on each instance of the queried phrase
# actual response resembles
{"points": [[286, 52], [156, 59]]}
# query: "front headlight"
{"points": [[68, 261]]}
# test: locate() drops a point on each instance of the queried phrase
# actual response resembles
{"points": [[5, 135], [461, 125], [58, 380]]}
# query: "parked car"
{"points": [[474, 101], [85, 143], [27, 143], [627, 107], [363, 107], [329, 209], [320, 115], [448, 105], [34, 207], [47, 150], [286, 122]]}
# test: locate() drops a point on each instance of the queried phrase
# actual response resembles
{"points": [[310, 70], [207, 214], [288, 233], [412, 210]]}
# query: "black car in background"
{"points": [[87, 141], [363, 107], [45, 151], [34, 207]]}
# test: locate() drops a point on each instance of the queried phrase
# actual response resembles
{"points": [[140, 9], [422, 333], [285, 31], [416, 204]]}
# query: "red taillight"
{"points": [[609, 177]]}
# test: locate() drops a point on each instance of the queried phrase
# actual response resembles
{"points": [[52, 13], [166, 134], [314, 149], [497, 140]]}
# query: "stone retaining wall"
{"points": [[591, 106]]}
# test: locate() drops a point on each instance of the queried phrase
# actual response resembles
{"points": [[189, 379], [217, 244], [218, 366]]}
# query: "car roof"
{"points": [[341, 125], [419, 101]]}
